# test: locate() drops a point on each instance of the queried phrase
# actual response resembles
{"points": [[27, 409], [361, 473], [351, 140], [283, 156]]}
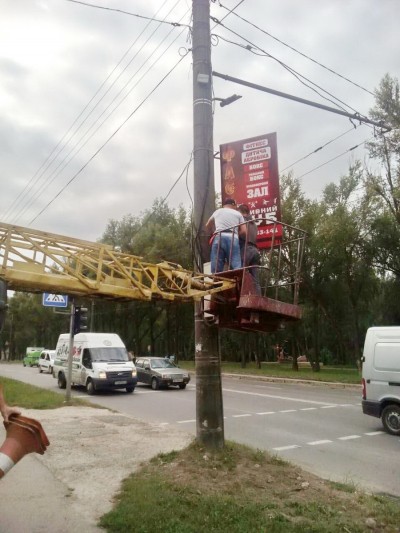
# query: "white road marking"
{"points": [[241, 416], [267, 413], [186, 421], [288, 411], [372, 433], [300, 400], [307, 409], [282, 448], [349, 437], [328, 406], [317, 442]]}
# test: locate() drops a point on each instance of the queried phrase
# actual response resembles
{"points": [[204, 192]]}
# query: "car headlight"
{"points": [[102, 374], [165, 376], [134, 373]]}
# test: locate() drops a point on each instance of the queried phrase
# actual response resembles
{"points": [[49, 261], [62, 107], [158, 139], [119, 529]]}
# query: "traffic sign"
{"points": [[55, 300]]}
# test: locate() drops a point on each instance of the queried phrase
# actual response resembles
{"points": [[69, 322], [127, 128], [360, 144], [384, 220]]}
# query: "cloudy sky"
{"points": [[96, 104]]}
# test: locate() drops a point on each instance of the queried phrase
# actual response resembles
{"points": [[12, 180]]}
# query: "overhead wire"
{"points": [[319, 149], [337, 102], [334, 158], [298, 51], [78, 147], [109, 138], [96, 6], [50, 160]]}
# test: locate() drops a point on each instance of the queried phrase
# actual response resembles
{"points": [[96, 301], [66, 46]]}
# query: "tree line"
{"points": [[351, 268]]}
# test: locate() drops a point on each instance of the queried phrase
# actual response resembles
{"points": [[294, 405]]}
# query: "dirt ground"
{"points": [[92, 450]]}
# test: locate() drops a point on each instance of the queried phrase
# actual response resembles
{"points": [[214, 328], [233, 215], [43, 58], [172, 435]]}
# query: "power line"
{"points": [[126, 13], [298, 51], [319, 148], [333, 159], [294, 73], [109, 139], [76, 148], [52, 177], [50, 160]]}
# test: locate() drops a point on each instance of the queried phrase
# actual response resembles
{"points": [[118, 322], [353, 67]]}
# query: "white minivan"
{"points": [[46, 361], [99, 361], [381, 376]]}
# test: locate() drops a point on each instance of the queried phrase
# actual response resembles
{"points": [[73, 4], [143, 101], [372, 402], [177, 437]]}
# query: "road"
{"points": [[318, 427]]}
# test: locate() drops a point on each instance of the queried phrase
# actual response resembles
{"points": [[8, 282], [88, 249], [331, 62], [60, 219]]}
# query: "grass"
{"points": [[241, 490], [327, 373], [28, 396]]}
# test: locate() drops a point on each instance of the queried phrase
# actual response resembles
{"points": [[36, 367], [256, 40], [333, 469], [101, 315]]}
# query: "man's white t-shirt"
{"points": [[226, 218]]}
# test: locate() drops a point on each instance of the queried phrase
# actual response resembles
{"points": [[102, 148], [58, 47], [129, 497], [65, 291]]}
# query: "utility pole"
{"points": [[209, 408]]}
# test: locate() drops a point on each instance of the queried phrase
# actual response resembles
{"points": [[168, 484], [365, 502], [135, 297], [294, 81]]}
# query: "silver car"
{"points": [[160, 372]]}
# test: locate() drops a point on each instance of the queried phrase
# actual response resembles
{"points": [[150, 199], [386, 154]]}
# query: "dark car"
{"points": [[160, 372]]}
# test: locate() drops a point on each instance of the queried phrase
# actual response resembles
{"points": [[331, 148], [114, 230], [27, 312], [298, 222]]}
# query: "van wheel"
{"points": [[40, 370], [62, 384], [391, 419], [90, 387], [130, 389], [154, 384], [182, 385]]}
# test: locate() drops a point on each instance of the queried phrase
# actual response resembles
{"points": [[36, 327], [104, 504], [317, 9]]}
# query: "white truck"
{"points": [[99, 361], [381, 376]]}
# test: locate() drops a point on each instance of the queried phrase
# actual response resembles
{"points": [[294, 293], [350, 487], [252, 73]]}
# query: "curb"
{"points": [[333, 384]]}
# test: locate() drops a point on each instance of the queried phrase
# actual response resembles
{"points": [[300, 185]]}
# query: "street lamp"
{"points": [[226, 101]]}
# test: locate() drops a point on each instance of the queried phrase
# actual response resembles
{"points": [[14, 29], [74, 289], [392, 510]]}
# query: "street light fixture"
{"points": [[226, 101]]}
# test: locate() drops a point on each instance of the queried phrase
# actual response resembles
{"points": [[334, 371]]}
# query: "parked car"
{"points": [[46, 361], [160, 372]]}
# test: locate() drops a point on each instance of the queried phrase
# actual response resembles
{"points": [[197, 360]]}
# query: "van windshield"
{"points": [[108, 354]]}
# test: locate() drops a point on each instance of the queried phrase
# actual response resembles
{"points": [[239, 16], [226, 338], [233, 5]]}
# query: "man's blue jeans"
{"points": [[225, 246]]}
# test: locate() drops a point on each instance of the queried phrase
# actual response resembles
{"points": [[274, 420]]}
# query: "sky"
{"points": [[96, 104]]}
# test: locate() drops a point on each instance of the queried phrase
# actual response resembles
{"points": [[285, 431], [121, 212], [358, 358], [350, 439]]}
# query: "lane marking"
{"points": [[328, 406], [349, 437], [282, 448], [241, 416], [317, 442], [307, 409], [186, 421], [289, 411], [300, 400], [372, 433], [267, 413]]}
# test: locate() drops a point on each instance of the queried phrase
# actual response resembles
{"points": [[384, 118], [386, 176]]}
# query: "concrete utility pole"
{"points": [[209, 409]]}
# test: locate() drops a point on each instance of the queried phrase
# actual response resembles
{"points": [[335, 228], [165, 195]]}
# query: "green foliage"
{"points": [[235, 490], [30, 397], [28, 323]]}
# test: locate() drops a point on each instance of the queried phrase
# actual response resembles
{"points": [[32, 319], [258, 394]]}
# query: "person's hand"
{"points": [[7, 411]]}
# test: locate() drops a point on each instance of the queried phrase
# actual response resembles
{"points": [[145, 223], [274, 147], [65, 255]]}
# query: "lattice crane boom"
{"points": [[37, 261]]}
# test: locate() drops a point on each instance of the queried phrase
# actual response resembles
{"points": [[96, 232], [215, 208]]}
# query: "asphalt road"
{"points": [[318, 427]]}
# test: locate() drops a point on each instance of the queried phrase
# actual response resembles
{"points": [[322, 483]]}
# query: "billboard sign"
{"points": [[249, 174]]}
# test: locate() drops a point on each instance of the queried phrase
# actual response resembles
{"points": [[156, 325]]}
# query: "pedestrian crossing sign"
{"points": [[55, 300]]}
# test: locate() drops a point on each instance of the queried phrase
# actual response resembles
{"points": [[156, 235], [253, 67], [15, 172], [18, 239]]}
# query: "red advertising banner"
{"points": [[249, 174]]}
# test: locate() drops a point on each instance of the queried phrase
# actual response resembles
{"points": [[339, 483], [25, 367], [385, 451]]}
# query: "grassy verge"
{"points": [[327, 373], [241, 490], [28, 396]]}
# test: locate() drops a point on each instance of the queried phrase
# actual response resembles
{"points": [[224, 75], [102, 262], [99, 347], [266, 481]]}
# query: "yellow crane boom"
{"points": [[37, 261]]}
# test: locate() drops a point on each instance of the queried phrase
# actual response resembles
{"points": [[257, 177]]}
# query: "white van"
{"points": [[381, 376], [99, 361], [46, 361]]}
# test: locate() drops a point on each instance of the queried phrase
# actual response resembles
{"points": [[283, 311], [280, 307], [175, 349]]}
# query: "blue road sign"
{"points": [[55, 300]]}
